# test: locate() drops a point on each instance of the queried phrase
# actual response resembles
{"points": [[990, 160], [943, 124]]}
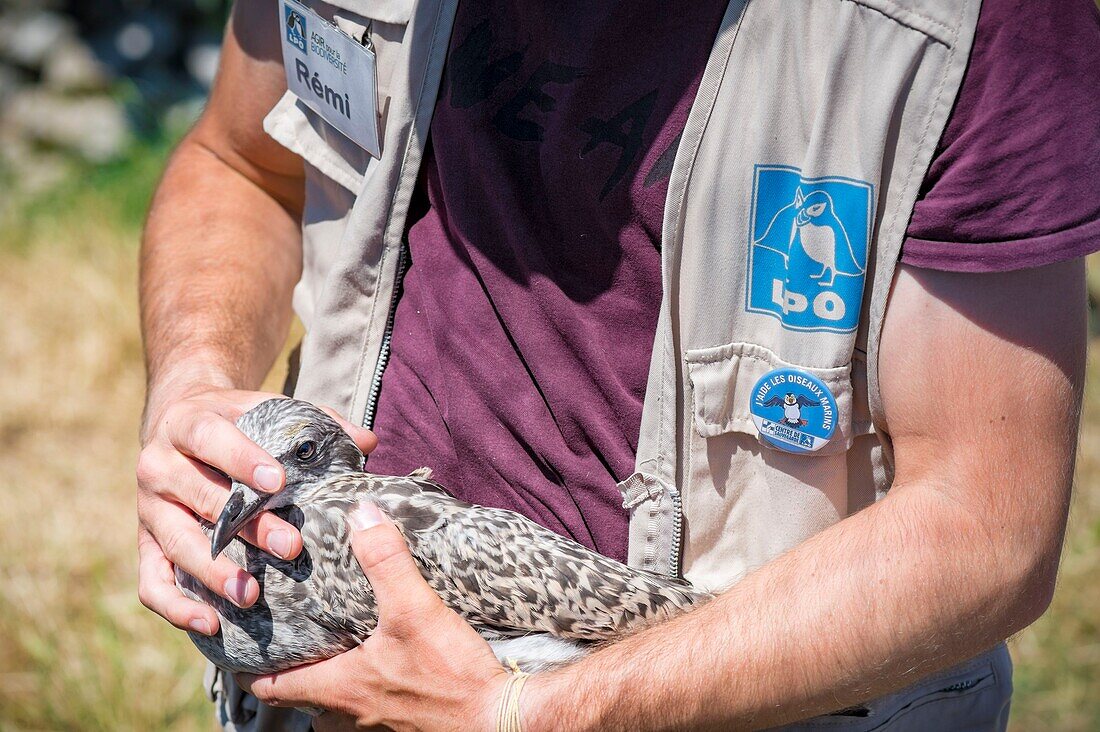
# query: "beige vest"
{"points": [[828, 91], [856, 90]]}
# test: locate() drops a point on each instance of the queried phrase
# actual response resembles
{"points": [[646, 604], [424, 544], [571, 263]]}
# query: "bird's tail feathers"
{"points": [[680, 590]]}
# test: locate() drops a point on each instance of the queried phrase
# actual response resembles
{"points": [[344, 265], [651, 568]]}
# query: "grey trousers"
{"points": [[971, 697]]}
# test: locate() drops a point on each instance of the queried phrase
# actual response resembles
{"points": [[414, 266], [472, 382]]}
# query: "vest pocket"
{"points": [[384, 11], [722, 380], [745, 500], [335, 173], [380, 24], [383, 25], [302, 131]]}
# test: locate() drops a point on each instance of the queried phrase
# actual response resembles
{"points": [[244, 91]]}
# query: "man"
{"points": [[860, 407]]}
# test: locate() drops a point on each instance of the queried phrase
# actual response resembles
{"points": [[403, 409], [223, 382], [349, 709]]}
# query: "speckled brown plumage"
{"points": [[507, 575]]}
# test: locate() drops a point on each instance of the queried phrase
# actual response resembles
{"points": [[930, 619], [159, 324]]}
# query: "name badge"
{"points": [[332, 74]]}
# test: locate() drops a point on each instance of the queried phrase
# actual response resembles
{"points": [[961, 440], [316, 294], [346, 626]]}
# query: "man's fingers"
{"points": [[267, 531], [273, 535], [214, 440], [399, 589], [364, 438], [185, 480], [322, 684], [167, 473], [184, 544], [157, 591]]}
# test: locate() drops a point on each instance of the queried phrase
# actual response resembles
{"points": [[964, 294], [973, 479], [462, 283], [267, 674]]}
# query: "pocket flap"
{"points": [[722, 379], [385, 11], [293, 125]]}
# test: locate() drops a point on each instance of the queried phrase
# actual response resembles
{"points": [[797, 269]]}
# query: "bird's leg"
{"points": [[821, 276]]}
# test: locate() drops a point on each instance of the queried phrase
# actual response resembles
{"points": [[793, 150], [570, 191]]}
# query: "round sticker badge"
{"points": [[793, 410]]}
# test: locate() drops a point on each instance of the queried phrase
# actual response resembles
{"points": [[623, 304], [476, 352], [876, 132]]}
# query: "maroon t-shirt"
{"points": [[522, 338]]}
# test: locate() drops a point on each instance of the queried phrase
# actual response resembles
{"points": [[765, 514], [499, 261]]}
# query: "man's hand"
{"points": [[215, 311], [423, 667], [190, 446]]}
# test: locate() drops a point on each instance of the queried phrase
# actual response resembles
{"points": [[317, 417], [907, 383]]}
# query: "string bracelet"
{"points": [[508, 713]]}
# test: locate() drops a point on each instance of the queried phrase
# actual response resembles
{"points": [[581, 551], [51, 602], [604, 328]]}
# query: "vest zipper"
{"points": [[677, 533], [387, 339]]}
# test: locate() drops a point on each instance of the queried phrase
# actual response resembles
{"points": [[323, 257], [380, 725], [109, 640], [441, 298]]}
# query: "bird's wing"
{"points": [[806, 402], [774, 402], [504, 572]]}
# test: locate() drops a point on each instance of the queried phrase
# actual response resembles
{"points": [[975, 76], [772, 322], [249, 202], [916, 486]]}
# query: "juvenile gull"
{"points": [[538, 597]]}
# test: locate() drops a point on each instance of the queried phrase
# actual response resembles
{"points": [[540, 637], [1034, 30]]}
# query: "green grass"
{"points": [[115, 195], [1058, 659], [77, 651]]}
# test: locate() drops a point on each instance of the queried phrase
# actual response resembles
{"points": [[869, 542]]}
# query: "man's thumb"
{"points": [[387, 563]]}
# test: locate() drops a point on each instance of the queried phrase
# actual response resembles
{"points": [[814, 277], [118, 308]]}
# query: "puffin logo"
{"points": [[295, 28], [808, 253], [792, 408]]}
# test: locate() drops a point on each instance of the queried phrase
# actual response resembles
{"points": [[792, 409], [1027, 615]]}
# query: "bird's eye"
{"points": [[816, 209], [306, 451]]}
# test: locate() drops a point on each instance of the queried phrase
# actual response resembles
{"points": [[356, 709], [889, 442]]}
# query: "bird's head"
{"points": [[309, 444], [789, 400], [811, 206]]}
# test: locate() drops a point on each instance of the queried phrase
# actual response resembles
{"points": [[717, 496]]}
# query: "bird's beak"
{"points": [[244, 504]]}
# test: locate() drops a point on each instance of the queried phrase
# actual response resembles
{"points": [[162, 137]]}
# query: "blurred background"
{"points": [[92, 97]]}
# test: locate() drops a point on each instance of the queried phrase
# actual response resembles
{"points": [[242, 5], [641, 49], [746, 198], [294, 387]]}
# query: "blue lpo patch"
{"points": [[295, 24], [808, 248], [793, 410]]}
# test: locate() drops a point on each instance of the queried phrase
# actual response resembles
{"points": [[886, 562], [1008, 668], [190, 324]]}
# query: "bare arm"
{"points": [[222, 248], [220, 257], [981, 380]]}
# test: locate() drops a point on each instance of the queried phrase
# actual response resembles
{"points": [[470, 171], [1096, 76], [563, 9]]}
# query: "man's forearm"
{"points": [[853, 613], [219, 262], [981, 383]]}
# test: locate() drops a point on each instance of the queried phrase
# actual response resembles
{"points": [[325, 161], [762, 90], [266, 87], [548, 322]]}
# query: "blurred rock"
{"points": [[72, 67], [180, 116], [137, 41], [30, 36], [29, 170], [10, 82], [82, 79], [202, 62], [93, 127], [134, 41]]}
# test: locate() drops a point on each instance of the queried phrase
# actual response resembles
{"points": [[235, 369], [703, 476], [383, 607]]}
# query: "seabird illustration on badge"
{"points": [[822, 236], [802, 420], [792, 407], [538, 597]]}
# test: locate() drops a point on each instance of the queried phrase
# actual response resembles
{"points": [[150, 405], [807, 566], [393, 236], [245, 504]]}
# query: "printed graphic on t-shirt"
{"points": [[479, 66], [808, 254]]}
